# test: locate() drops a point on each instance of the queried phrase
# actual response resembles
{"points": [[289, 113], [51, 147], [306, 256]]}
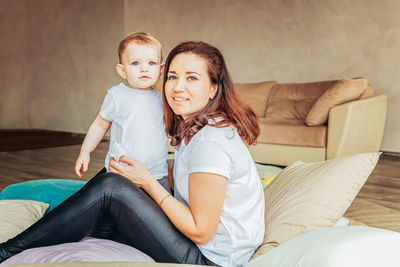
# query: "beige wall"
{"points": [[289, 41], [75, 57], [14, 77], [59, 55]]}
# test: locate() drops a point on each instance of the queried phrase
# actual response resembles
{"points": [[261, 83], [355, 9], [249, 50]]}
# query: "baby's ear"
{"points": [[162, 67], [121, 70]]}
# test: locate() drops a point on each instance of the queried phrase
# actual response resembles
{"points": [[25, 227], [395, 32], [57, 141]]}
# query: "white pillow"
{"points": [[86, 250], [18, 215], [345, 246]]}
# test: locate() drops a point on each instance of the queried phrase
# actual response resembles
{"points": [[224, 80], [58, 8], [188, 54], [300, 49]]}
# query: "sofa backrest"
{"points": [[274, 100], [294, 100], [255, 95]]}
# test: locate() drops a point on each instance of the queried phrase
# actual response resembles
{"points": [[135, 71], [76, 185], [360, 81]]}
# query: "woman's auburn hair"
{"points": [[225, 108]]}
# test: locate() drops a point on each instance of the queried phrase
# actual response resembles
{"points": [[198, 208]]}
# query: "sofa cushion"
{"points": [[294, 100], [307, 196], [255, 95], [368, 92], [17, 215], [296, 133], [341, 92], [51, 191], [86, 250]]}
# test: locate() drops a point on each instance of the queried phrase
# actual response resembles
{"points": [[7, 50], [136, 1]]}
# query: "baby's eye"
{"points": [[152, 63], [172, 77], [135, 63], [192, 78]]}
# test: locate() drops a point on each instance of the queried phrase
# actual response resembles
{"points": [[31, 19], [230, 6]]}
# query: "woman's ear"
{"points": [[213, 91], [121, 70]]}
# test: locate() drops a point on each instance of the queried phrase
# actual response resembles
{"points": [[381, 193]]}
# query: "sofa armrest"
{"points": [[356, 127]]}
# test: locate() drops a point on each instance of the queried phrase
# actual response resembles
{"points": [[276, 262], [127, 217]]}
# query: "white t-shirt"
{"points": [[241, 226], [137, 128]]}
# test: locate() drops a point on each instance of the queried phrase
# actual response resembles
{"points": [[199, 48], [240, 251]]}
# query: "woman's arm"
{"points": [[198, 222]]}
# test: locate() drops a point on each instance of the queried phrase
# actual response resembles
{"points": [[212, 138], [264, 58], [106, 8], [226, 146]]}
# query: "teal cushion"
{"points": [[51, 191]]}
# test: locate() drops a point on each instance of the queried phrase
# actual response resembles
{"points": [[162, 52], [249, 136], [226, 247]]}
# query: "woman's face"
{"points": [[188, 87]]}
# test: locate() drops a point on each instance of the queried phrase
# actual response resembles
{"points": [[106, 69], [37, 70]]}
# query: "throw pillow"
{"points": [[307, 196], [52, 191], [336, 247], [368, 92], [86, 250], [342, 91], [18, 215]]}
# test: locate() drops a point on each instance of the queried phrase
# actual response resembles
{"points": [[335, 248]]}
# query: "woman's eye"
{"points": [[192, 78], [135, 63], [171, 77], [152, 63]]}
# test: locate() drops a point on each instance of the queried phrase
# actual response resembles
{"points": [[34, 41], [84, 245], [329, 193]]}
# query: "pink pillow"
{"points": [[86, 250]]}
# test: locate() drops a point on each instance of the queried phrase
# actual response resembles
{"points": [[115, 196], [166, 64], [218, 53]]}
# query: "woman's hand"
{"points": [[135, 171]]}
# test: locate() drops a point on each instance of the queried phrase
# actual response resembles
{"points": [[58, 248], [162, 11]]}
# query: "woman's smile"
{"points": [[180, 99]]}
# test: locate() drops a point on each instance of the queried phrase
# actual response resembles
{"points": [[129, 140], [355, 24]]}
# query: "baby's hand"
{"points": [[117, 151], [82, 163], [134, 170], [117, 160]]}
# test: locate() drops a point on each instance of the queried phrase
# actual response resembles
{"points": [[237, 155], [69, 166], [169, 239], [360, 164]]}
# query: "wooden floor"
{"points": [[377, 204]]}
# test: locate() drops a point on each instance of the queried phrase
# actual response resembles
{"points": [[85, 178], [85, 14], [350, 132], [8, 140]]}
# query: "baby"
{"points": [[134, 111]]}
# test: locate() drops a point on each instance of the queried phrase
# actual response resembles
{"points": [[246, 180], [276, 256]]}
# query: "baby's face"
{"points": [[141, 65]]}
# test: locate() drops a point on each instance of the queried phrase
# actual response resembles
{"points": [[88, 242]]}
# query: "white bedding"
{"points": [[342, 246]]}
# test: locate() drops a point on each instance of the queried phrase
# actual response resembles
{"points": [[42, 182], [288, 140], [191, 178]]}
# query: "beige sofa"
{"points": [[314, 121]]}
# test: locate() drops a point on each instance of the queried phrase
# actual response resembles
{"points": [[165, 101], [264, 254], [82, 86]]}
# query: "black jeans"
{"points": [[110, 205]]}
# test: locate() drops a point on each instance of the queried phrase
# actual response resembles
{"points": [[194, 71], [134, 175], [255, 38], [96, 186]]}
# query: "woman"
{"points": [[216, 216]]}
